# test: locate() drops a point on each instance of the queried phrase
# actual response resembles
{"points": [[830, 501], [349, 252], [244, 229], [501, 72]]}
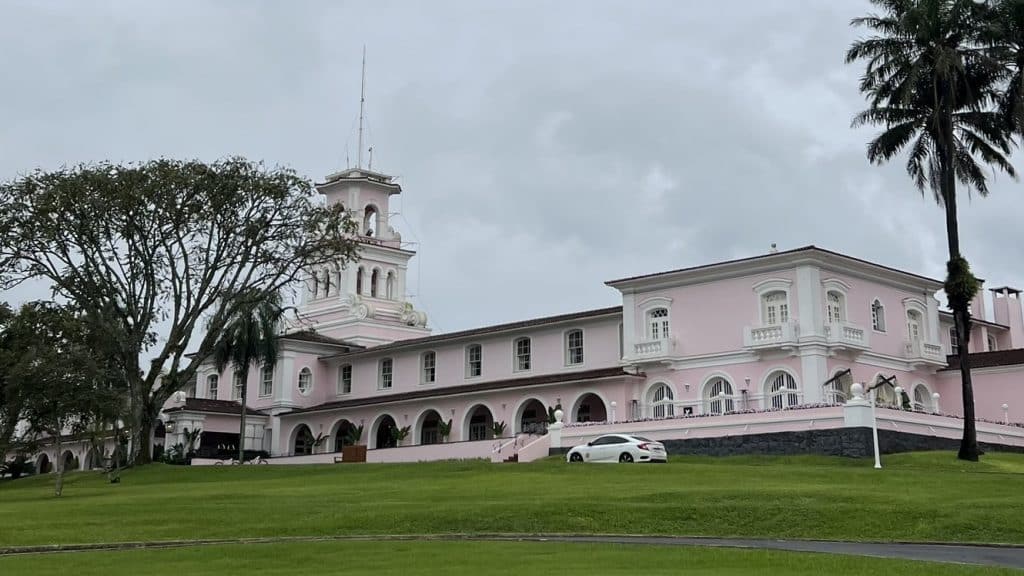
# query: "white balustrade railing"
{"points": [[780, 400], [771, 335], [651, 348], [918, 349], [848, 334]]}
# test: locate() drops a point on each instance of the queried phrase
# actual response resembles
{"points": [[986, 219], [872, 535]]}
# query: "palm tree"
{"points": [[250, 338], [933, 88], [1006, 39]]}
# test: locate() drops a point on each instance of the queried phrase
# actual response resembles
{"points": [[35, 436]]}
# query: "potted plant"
{"points": [[351, 449], [400, 434], [444, 429], [498, 428]]}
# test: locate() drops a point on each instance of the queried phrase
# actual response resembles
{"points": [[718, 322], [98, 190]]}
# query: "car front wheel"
{"points": [[626, 458], [577, 457]]}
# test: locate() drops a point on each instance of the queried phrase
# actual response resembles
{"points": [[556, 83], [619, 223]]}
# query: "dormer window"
{"points": [[521, 347], [775, 307], [878, 316], [657, 323]]}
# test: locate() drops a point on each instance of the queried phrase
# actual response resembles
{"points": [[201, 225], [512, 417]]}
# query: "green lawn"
{"points": [[916, 497], [451, 558]]}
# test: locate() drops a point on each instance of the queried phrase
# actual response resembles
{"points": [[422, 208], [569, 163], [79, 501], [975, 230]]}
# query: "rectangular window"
{"points": [[574, 347], [429, 367], [236, 388], [267, 382], [385, 373], [345, 379], [474, 361], [522, 354], [954, 342]]}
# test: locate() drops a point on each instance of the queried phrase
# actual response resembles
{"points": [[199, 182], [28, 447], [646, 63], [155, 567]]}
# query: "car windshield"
{"points": [[642, 439]]}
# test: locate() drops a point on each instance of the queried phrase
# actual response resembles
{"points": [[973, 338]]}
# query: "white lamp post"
{"points": [[721, 396], [612, 419], [935, 402], [899, 397], [858, 390], [1006, 414]]}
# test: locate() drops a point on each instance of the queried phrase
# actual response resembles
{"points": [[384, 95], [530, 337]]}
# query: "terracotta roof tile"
{"points": [[213, 407]]}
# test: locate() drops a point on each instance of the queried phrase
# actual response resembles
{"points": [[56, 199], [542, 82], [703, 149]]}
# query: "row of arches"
{"points": [[718, 395], [530, 416], [44, 465], [327, 282]]}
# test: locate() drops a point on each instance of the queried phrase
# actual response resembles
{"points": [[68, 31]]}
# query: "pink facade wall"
{"points": [[993, 387]]}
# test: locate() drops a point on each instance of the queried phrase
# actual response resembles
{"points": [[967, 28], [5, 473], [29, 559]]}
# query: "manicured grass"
{"points": [[449, 558], [921, 497]]}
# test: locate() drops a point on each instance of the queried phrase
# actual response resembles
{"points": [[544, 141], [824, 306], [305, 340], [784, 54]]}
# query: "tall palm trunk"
{"points": [[58, 487], [960, 305]]}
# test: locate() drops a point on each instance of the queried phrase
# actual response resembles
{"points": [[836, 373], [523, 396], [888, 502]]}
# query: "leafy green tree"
{"points": [[11, 401], [933, 88], [250, 339], [160, 246], [51, 358]]}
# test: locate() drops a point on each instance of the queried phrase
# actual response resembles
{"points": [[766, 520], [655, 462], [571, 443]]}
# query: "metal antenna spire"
{"points": [[362, 100]]}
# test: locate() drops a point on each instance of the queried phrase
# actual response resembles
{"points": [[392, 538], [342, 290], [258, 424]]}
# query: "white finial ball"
{"points": [[614, 403], [179, 397], [558, 415], [899, 390], [857, 390], [936, 396], [1006, 407]]}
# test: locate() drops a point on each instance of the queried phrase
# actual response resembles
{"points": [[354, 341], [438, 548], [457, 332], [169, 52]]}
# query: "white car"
{"points": [[618, 448]]}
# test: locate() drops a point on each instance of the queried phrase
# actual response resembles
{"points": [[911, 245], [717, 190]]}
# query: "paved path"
{"points": [[1005, 556]]}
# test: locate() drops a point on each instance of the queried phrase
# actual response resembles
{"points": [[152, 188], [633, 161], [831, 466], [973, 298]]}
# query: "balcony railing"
{"points": [[773, 336], [847, 334], [920, 350], [652, 348]]}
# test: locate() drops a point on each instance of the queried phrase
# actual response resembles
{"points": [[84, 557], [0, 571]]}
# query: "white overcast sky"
{"points": [[543, 147]]}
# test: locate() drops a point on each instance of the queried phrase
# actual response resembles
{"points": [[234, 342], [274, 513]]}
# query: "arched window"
{"points": [[878, 316], [314, 285], [834, 307], [954, 341], [474, 361], [385, 374], [237, 382], [370, 220], [429, 363], [712, 392], [914, 325], [574, 347], [359, 280], [211, 386], [838, 390], [657, 324], [777, 383], [661, 402], [885, 395], [374, 279], [521, 349], [305, 381], [327, 282], [775, 308], [922, 398], [389, 287], [992, 346], [267, 381]]}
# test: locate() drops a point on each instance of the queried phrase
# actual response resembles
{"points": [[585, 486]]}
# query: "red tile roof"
{"points": [[213, 407], [1012, 357]]}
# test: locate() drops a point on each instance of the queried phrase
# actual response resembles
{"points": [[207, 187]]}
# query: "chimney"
{"points": [[977, 305], [1007, 311], [773, 249]]}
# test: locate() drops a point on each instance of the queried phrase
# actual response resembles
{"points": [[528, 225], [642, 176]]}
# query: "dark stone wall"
{"points": [[849, 442]]}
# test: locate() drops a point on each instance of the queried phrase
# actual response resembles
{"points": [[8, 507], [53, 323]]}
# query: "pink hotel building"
{"points": [[761, 351]]}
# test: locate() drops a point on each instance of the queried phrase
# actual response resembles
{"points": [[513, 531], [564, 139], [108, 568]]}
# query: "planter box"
{"points": [[353, 453]]}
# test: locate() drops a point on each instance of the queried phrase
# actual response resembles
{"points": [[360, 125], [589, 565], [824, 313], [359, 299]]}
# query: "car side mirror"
{"points": [[591, 443]]}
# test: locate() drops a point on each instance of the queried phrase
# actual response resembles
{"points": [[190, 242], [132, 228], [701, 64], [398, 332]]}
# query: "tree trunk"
{"points": [[241, 432], [59, 468], [144, 438], [960, 306]]}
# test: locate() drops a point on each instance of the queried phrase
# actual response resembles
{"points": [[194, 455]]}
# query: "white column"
{"points": [[814, 368], [629, 326], [933, 318], [275, 436], [809, 302], [284, 378]]}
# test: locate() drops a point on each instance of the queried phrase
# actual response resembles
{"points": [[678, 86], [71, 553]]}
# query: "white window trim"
{"points": [[843, 290], [299, 377], [465, 357], [235, 384], [380, 374], [991, 342], [583, 342], [645, 307], [928, 393], [423, 367], [919, 307], [263, 380], [766, 287], [767, 382], [515, 354], [705, 391], [341, 384], [648, 399], [208, 378], [885, 321]]}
